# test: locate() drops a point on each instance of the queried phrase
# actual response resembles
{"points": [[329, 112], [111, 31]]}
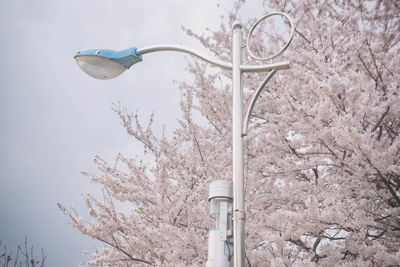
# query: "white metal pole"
{"points": [[237, 144]]}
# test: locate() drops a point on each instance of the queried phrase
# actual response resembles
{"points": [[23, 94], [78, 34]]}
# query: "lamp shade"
{"points": [[106, 64]]}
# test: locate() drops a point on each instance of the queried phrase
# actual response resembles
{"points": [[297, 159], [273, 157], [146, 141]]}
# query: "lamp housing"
{"points": [[106, 64]]}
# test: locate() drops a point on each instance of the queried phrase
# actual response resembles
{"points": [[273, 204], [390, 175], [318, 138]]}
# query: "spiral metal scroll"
{"points": [[272, 72], [255, 26]]}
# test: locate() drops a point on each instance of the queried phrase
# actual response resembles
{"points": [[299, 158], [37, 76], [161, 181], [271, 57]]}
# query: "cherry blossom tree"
{"points": [[322, 154]]}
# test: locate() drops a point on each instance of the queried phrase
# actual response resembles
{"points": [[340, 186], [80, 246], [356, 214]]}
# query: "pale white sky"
{"points": [[54, 118]]}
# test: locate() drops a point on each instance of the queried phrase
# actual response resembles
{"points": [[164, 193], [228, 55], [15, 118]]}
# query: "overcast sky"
{"points": [[54, 118]]}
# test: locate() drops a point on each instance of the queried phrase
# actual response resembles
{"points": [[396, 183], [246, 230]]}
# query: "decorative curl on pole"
{"points": [[272, 71], [255, 26]]}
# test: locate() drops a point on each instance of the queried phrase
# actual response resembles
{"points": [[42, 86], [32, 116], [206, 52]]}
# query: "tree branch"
{"points": [[124, 252], [381, 119]]}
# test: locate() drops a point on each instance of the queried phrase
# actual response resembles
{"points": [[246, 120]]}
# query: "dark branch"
{"points": [[124, 252]]}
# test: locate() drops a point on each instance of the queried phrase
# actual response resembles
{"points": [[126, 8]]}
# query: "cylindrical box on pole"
{"points": [[220, 239]]}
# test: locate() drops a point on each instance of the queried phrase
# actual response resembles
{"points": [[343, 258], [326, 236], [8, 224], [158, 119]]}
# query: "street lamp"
{"points": [[108, 64]]}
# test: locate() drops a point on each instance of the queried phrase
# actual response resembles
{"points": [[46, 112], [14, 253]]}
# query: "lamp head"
{"points": [[106, 64]]}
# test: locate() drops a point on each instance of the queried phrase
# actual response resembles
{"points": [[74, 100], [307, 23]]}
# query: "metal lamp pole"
{"points": [[237, 147], [108, 64]]}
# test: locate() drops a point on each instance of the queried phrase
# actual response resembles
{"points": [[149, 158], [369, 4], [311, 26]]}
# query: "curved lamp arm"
{"points": [[217, 62], [183, 49], [254, 99]]}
